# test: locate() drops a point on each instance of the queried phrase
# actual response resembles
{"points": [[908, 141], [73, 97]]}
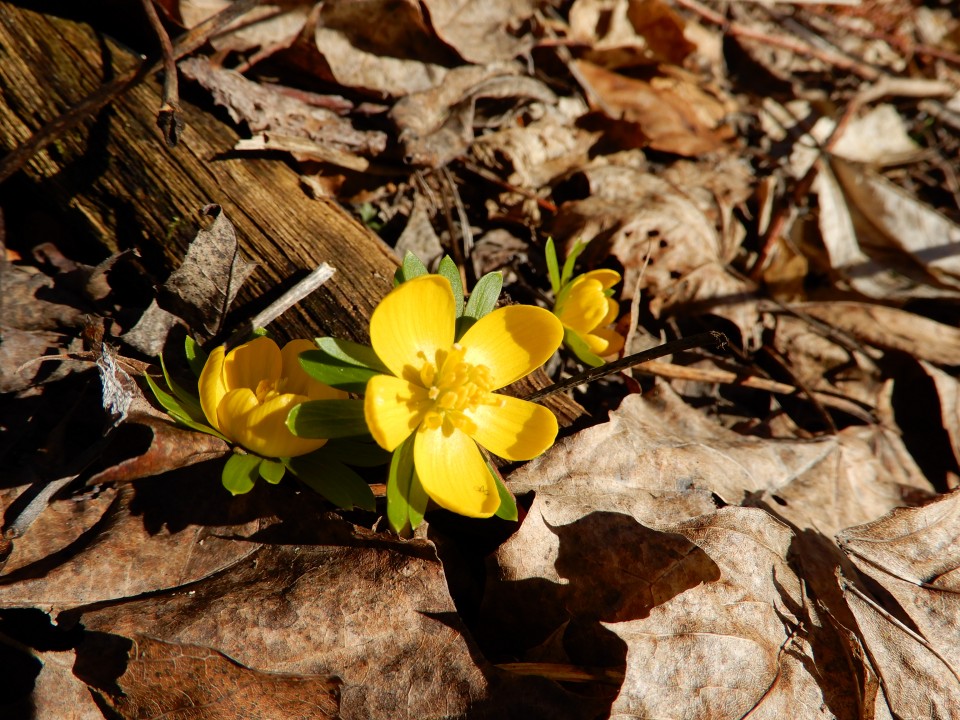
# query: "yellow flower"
{"points": [[443, 390], [584, 308], [246, 394]]}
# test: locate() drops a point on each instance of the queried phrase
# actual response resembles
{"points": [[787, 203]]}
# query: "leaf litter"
{"points": [[770, 532]]}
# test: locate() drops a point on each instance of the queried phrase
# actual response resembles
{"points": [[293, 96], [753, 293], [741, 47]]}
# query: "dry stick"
{"points": [[707, 339], [492, 177], [735, 29], [186, 44], [283, 303], [170, 116], [461, 252]]}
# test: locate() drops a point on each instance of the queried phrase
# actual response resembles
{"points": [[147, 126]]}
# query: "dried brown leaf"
{"points": [[201, 289], [266, 109], [479, 30], [626, 33], [911, 624], [437, 125], [670, 114], [198, 683], [890, 328], [383, 46], [166, 532], [379, 618]]}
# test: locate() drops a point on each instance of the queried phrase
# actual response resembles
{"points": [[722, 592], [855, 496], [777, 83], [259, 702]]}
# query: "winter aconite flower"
{"points": [[585, 308], [246, 394], [443, 391]]}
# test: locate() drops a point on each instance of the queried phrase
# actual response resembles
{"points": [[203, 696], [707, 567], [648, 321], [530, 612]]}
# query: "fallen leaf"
{"points": [[670, 114], [911, 624], [77, 551], [267, 110], [194, 683], [382, 46], [890, 328], [479, 30], [437, 125]]}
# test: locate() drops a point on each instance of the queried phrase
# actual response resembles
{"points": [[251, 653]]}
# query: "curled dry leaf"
{"points": [[437, 125], [733, 636], [626, 33], [199, 683], [381, 46], [269, 26], [266, 109], [681, 576], [200, 291], [670, 114], [911, 629], [890, 328], [479, 30]]}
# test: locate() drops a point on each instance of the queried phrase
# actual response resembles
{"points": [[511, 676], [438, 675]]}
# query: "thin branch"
{"points": [[170, 116], [105, 94], [707, 339], [283, 303]]}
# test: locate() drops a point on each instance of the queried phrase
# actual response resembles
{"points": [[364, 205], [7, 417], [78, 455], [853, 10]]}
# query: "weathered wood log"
{"points": [[135, 192], [115, 172]]}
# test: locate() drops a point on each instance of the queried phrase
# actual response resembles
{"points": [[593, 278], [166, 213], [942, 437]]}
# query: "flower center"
{"points": [[266, 389], [455, 388]]}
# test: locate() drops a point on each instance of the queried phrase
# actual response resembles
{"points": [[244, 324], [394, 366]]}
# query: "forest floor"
{"points": [[770, 528]]}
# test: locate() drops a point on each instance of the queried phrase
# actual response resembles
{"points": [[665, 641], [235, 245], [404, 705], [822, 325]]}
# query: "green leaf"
{"points": [[272, 471], [351, 353], [321, 367], [328, 419], [553, 267], [240, 473], [406, 499], [355, 451], [417, 500], [571, 260], [578, 346], [485, 294], [178, 412], [508, 503], [411, 268], [332, 479], [451, 272], [188, 401], [196, 357]]}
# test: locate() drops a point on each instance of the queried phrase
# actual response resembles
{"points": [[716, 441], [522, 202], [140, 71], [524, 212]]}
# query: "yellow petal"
{"points": [[612, 311], [418, 316], [512, 342], [211, 385], [393, 409], [262, 429], [606, 278], [604, 342], [517, 430], [296, 379], [585, 306], [248, 364], [453, 473]]}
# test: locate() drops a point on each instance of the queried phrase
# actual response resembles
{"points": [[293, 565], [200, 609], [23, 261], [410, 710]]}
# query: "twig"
{"points": [[283, 303], [492, 177], [735, 29], [461, 252], [105, 94], [728, 377], [707, 339], [170, 116]]}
